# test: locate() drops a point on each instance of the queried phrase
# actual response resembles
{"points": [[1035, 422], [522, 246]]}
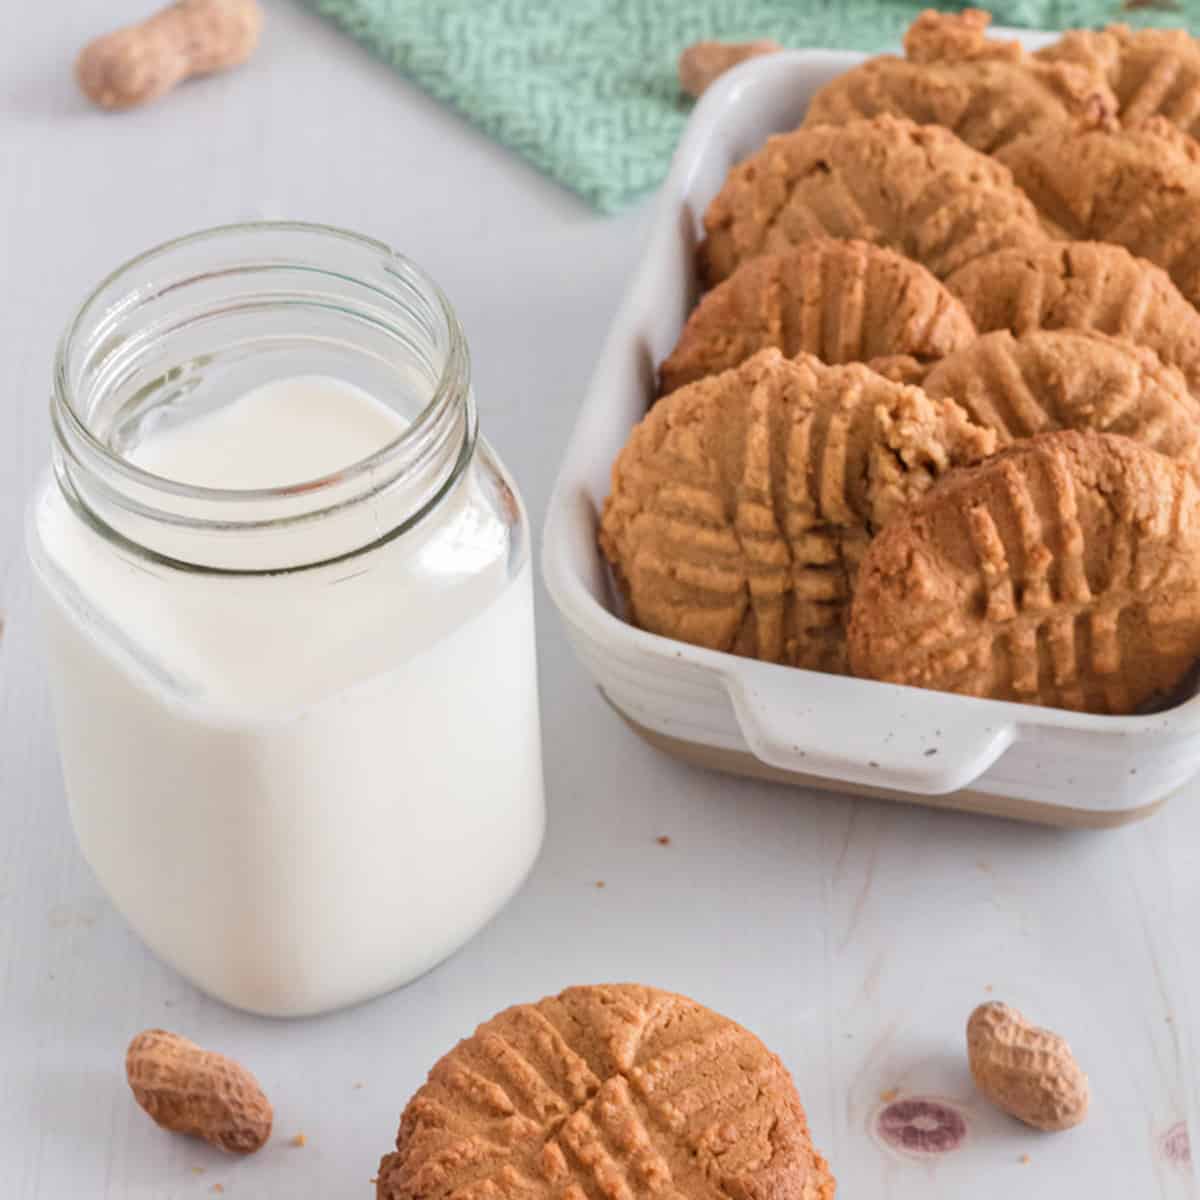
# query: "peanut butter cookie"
{"points": [[1083, 285], [1153, 72], [1071, 379], [988, 92], [1138, 188], [914, 188], [1064, 571], [901, 368], [742, 504], [609, 1092], [843, 301]]}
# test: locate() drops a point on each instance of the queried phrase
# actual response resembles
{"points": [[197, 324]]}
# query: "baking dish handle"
{"points": [[923, 742]]}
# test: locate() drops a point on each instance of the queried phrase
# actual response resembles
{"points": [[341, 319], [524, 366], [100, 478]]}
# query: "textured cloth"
{"points": [[586, 90]]}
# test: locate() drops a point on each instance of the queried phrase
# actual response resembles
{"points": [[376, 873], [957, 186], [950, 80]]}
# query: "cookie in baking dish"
{"points": [[1051, 379], [610, 1092], [987, 91], [843, 301], [1138, 188], [901, 368], [916, 189], [1083, 285], [1063, 571], [1153, 72], [742, 504]]}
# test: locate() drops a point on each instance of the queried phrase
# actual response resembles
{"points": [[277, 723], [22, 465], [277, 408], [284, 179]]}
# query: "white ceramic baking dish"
{"points": [[777, 722]]}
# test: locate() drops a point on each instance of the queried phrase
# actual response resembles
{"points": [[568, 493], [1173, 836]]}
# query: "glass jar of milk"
{"points": [[288, 605]]}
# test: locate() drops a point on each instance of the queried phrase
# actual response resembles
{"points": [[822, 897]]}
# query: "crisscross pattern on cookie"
{"points": [[914, 188], [742, 505], [986, 104], [1064, 572], [1071, 379], [1083, 285], [606, 1093], [1138, 188], [843, 301], [988, 92], [1153, 72]]}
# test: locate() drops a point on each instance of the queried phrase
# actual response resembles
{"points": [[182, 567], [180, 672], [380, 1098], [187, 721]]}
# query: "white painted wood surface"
{"points": [[854, 937]]}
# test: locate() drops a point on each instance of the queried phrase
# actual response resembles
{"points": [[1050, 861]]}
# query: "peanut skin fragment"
{"points": [[702, 62], [189, 1090], [1028, 1072], [137, 64]]}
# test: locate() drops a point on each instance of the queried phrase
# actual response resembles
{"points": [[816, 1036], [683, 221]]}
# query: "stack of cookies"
{"points": [[936, 418]]}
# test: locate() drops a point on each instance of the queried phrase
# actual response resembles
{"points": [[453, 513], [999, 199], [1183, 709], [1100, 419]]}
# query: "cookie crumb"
{"points": [[663, 840], [1024, 1160], [890, 1095], [987, 987], [599, 883], [299, 1140]]}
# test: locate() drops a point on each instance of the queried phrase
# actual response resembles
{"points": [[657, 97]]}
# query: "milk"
{"points": [[300, 789], [284, 432]]}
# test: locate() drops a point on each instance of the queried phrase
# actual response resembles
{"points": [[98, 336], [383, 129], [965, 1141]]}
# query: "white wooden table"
{"points": [[854, 937]]}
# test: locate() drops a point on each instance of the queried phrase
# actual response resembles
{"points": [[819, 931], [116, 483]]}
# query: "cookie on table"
{"points": [[1052, 379], [742, 504], [607, 1091], [1083, 285], [1153, 72], [988, 92], [916, 189], [843, 301], [1063, 571], [1138, 188]]}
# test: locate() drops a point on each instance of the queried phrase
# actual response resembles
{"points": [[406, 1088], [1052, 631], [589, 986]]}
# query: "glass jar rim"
{"points": [[453, 379], [130, 321]]}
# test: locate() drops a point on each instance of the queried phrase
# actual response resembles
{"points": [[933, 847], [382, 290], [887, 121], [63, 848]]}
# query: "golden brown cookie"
{"points": [[901, 368], [1071, 379], [1153, 72], [916, 189], [844, 301], [988, 92], [1083, 285], [1138, 188], [610, 1092], [742, 504], [1064, 571]]}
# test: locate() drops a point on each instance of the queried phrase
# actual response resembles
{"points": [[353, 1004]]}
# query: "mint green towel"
{"points": [[586, 89]]}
